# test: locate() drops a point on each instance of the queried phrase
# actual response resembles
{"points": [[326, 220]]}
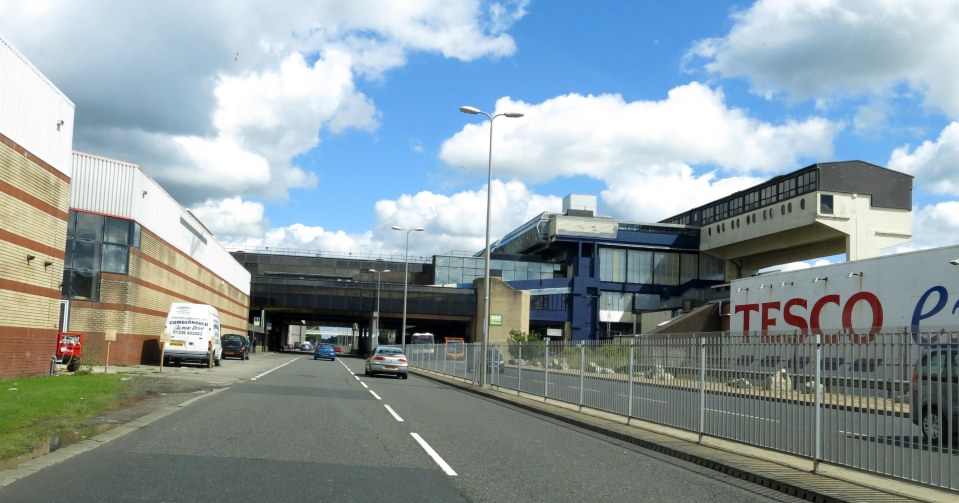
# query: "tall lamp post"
{"points": [[406, 279], [376, 314], [489, 191]]}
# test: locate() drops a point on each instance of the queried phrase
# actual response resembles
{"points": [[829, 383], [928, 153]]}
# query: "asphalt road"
{"points": [[321, 431]]}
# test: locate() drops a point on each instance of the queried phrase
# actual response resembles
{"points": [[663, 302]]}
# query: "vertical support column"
{"points": [[818, 387], [629, 375], [582, 373], [702, 387]]}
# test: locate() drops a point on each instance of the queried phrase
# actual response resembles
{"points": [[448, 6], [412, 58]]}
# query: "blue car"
{"points": [[324, 351]]}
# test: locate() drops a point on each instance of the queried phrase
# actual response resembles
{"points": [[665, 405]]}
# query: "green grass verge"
{"points": [[34, 408]]}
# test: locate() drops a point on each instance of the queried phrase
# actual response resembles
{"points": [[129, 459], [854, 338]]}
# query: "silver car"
{"points": [[388, 360], [935, 393]]}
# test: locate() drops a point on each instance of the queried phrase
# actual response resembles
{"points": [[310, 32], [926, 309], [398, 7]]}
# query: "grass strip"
{"points": [[32, 409]]}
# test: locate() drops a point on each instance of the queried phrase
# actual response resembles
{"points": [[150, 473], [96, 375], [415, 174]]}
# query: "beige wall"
{"points": [[34, 203], [136, 305], [511, 304]]}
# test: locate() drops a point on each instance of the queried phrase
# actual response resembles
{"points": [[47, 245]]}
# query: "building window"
{"points": [[825, 204], [612, 265], [666, 268], [711, 268], [95, 244], [688, 267], [640, 267]]}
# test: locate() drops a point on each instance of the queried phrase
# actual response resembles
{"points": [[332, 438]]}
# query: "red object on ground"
{"points": [[69, 346]]}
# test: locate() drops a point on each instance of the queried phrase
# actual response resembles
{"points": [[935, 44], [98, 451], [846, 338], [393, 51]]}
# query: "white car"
{"points": [[388, 360]]}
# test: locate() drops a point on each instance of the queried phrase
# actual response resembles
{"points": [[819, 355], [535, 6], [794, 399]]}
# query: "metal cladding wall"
{"points": [[123, 190], [35, 114]]}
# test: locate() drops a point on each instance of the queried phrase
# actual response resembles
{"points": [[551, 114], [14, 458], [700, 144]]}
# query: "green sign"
{"points": [[496, 320]]}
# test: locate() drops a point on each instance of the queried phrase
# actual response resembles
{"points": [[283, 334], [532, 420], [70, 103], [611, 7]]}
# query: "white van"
{"points": [[194, 332]]}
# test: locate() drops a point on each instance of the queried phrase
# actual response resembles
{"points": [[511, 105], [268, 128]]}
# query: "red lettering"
{"points": [[745, 309], [814, 321], [876, 308], [767, 321], [795, 320]]}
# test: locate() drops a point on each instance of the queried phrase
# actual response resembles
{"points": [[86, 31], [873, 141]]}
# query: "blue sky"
{"points": [[321, 124]]}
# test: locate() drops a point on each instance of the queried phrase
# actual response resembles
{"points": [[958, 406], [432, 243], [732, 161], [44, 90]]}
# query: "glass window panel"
{"points": [[136, 235], [496, 264], [116, 230], [825, 204], [89, 226], [68, 254], [509, 275], [711, 268], [86, 255], [666, 268], [612, 265], [71, 223], [688, 267], [84, 285], [442, 262], [442, 275], [640, 266], [456, 262], [115, 258]]}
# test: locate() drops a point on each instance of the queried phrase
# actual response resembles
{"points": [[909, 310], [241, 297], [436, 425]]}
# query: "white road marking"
{"points": [[364, 385], [744, 415], [645, 399], [375, 395], [274, 368], [436, 457], [395, 415]]}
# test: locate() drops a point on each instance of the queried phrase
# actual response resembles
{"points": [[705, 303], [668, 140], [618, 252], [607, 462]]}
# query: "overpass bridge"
{"points": [[290, 289]]}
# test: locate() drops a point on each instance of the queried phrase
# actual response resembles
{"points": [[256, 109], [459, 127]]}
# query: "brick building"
{"points": [[131, 251], [36, 139]]}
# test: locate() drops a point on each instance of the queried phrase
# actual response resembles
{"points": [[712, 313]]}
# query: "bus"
{"points": [[422, 344], [455, 348]]}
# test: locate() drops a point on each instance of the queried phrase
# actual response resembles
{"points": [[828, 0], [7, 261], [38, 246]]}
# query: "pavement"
{"points": [[785, 473]]}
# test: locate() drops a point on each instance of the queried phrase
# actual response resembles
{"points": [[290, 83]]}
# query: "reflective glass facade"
{"points": [[95, 244]]}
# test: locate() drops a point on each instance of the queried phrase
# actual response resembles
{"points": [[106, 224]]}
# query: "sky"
{"points": [[320, 124]]}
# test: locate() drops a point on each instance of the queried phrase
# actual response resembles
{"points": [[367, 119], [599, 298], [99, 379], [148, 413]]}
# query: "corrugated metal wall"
{"points": [[33, 112], [124, 190]]}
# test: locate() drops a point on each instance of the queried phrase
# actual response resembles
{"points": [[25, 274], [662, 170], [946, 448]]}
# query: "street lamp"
{"points": [[406, 279], [376, 315], [489, 191]]}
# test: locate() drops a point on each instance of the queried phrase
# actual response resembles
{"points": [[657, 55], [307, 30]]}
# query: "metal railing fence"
{"points": [[862, 401]]}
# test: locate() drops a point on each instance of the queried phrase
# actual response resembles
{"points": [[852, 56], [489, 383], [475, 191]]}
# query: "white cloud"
{"points": [[458, 222], [235, 221], [933, 163], [191, 91], [641, 150], [935, 225], [835, 48]]}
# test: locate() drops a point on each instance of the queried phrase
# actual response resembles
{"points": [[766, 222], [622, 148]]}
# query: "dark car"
{"points": [[326, 351], [494, 360], [935, 392], [236, 346]]}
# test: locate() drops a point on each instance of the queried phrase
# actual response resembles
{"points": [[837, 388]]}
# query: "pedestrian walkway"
{"points": [[788, 474]]}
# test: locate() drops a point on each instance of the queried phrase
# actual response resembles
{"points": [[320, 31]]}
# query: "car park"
{"points": [[235, 346], [325, 351], [935, 393], [388, 360]]}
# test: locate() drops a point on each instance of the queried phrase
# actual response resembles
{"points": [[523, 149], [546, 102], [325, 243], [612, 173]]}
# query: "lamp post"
{"points": [[376, 314], [489, 191], [406, 279]]}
